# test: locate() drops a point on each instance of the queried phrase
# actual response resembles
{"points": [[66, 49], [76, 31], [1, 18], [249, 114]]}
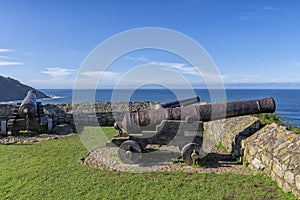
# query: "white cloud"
{"points": [[6, 60], [140, 58], [59, 78], [97, 74], [89, 79], [248, 15], [240, 78], [58, 72], [180, 67], [4, 57], [8, 63], [151, 74], [5, 50], [269, 8], [257, 13], [27, 53], [52, 83]]}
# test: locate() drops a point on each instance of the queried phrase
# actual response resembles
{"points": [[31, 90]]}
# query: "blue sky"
{"points": [[253, 43]]}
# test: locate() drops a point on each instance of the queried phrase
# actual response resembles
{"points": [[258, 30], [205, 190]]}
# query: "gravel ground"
{"points": [[60, 131], [28, 139], [163, 159]]}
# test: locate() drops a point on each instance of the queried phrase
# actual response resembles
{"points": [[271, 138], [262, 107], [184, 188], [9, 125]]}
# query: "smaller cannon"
{"points": [[178, 103], [28, 107], [178, 126], [28, 115]]}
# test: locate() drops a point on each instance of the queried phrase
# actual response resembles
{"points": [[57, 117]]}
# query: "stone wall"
{"points": [[232, 131], [276, 151], [104, 113], [6, 110], [271, 149]]}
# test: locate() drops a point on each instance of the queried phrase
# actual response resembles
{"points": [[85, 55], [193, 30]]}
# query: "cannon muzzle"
{"points": [[28, 106]]}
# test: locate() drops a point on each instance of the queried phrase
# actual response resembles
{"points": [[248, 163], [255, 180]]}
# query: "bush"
{"points": [[269, 118]]}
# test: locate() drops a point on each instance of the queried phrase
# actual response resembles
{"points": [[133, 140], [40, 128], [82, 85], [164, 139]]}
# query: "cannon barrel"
{"points": [[135, 122], [182, 102], [28, 106], [211, 112]]}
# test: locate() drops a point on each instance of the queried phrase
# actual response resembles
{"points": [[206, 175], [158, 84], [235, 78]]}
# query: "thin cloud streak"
{"points": [[238, 78], [258, 13], [6, 60], [5, 57], [58, 72], [5, 50], [269, 8], [8, 63], [140, 58], [97, 74], [89, 79], [52, 83], [180, 67]]}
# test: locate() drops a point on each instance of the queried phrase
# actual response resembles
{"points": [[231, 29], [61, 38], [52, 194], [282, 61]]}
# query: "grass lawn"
{"points": [[50, 170]]}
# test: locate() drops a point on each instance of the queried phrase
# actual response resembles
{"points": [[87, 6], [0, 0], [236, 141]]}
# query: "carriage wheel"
{"points": [[190, 153], [130, 152]]}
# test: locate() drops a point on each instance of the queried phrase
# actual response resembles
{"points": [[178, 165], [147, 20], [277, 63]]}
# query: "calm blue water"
{"points": [[287, 101]]}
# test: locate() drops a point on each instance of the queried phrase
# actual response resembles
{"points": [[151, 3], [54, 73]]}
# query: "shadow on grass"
{"points": [[17, 144]]}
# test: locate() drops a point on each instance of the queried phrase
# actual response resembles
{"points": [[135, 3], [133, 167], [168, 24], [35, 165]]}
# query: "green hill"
{"points": [[11, 89]]}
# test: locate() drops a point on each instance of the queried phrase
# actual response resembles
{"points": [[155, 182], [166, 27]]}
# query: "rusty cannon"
{"points": [[28, 107], [27, 115], [177, 126]]}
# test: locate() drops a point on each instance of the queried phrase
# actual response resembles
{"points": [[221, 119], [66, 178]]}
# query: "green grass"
{"points": [[268, 118], [50, 170], [220, 145], [93, 137]]}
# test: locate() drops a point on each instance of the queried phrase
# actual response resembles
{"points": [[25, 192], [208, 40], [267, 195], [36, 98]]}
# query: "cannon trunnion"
{"points": [[28, 115], [177, 126]]}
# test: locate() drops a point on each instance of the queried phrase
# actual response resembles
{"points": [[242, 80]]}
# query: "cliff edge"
{"points": [[11, 90]]}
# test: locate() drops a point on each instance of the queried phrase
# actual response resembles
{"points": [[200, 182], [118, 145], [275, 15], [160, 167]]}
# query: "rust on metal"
{"points": [[215, 111]]}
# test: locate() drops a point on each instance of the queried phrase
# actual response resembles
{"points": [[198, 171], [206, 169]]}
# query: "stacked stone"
{"points": [[276, 151], [232, 131], [104, 114], [6, 110]]}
